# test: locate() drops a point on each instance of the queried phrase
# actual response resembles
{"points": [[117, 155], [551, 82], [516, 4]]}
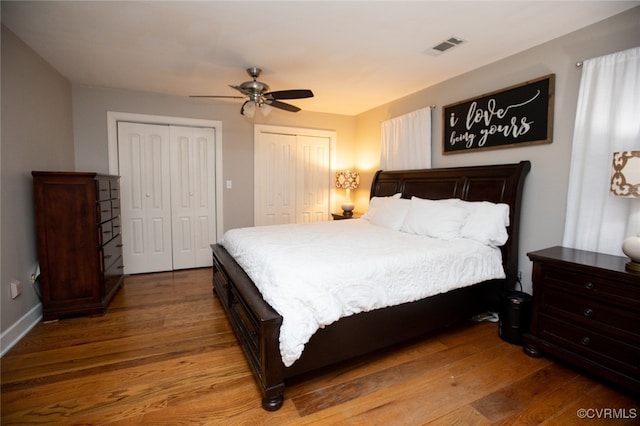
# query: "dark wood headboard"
{"points": [[498, 183]]}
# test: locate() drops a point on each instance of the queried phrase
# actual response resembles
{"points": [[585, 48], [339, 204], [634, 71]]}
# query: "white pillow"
{"points": [[434, 218], [375, 203], [487, 222], [391, 213]]}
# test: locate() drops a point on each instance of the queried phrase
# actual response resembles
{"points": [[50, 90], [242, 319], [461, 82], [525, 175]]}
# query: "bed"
{"points": [[257, 325]]}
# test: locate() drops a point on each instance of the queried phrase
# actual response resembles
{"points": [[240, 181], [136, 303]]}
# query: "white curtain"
{"points": [[607, 120], [406, 141]]}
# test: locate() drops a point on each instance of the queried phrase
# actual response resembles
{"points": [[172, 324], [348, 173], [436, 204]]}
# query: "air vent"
{"points": [[444, 46]]}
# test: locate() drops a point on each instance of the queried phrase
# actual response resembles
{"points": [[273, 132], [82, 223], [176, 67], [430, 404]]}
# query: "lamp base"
{"points": [[631, 247], [633, 266], [347, 209]]}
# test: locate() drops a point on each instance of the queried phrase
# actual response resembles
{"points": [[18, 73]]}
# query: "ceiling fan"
{"points": [[259, 94]]}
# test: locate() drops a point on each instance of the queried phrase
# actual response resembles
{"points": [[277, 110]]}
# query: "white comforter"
{"points": [[314, 274]]}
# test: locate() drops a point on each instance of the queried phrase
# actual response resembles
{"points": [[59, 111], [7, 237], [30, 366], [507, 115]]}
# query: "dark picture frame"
{"points": [[518, 115]]}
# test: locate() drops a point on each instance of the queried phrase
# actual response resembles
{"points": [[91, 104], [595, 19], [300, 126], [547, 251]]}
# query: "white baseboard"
{"points": [[17, 331]]}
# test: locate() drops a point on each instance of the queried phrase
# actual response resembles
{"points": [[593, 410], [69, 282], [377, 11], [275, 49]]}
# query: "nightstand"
{"points": [[340, 216], [586, 311]]}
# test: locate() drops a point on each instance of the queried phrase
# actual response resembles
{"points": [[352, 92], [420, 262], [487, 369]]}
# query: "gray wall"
{"points": [[42, 114], [36, 135], [544, 203], [90, 107]]}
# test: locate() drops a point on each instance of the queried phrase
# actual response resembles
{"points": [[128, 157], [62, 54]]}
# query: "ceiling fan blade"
{"points": [[290, 94], [215, 96], [282, 105]]}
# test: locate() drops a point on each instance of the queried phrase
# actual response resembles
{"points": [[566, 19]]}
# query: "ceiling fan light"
{"points": [[248, 109], [265, 109], [259, 95]]}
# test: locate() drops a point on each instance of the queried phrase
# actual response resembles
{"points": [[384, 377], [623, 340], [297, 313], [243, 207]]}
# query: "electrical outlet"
{"points": [[16, 288]]}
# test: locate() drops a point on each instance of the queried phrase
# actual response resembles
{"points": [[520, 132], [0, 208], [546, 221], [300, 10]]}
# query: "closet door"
{"points": [[275, 179], [192, 195], [292, 182], [144, 167], [312, 182]]}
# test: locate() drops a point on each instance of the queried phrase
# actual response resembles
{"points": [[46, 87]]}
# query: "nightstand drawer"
{"points": [[592, 345], [592, 313], [592, 285], [586, 311]]}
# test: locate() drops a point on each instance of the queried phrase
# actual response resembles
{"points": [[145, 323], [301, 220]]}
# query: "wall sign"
{"points": [[515, 116]]}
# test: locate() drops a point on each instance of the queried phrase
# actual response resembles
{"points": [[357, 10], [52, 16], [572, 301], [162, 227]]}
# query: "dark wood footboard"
{"points": [[257, 325]]}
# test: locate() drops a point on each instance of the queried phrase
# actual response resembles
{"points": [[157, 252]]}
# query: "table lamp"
{"points": [[347, 180], [625, 182]]}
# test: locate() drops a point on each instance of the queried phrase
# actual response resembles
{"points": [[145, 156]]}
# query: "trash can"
{"points": [[515, 312]]}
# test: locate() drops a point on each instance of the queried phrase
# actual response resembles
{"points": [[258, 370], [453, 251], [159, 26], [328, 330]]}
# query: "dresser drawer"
{"points": [[114, 188], [592, 285], [113, 275], [115, 208], [110, 252], [592, 345], [590, 312], [104, 189], [105, 232], [104, 211], [115, 226]]}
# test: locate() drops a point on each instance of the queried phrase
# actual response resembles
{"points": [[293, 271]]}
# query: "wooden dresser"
{"points": [[586, 311], [77, 218]]}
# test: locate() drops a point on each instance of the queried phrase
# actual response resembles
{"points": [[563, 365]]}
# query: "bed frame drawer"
{"points": [[246, 325], [255, 323]]}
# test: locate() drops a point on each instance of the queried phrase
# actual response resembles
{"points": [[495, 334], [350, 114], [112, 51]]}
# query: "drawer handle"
{"points": [[106, 232], [588, 312], [585, 341], [589, 285], [108, 256]]}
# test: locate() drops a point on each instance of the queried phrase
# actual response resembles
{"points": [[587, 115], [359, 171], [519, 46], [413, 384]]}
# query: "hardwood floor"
{"points": [[164, 354]]}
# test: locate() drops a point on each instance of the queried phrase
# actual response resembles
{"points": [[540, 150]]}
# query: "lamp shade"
{"points": [[625, 178], [625, 182], [347, 179]]}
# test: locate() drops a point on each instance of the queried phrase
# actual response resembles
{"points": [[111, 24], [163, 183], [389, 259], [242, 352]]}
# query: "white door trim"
{"points": [[112, 143]]}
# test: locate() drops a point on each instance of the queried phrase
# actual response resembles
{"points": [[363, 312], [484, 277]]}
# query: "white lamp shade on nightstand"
{"points": [[625, 182]]}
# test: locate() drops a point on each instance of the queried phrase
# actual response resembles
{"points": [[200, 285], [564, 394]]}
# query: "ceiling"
{"points": [[354, 55]]}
